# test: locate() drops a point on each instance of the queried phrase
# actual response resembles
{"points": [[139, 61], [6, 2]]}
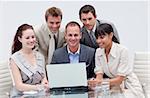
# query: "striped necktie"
{"points": [[93, 38]]}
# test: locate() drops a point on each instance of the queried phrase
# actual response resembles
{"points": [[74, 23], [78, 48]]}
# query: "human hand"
{"points": [[45, 84], [93, 82], [39, 87]]}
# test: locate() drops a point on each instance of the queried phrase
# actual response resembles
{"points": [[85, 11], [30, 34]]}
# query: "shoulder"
{"points": [[61, 33], [38, 54], [120, 46], [16, 58], [15, 55], [87, 48], [60, 51], [99, 51], [119, 49], [106, 21], [61, 30], [42, 28], [83, 30]]}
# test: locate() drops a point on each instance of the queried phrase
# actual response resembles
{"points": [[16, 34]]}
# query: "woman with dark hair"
{"points": [[27, 66], [112, 59]]}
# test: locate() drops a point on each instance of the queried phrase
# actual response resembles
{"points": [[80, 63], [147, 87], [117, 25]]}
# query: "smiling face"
{"points": [[28, 39], [53, 23], [88, 20], [73, 36], [104, 41]]}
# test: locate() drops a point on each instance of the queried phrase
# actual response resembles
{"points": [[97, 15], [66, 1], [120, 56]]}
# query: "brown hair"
{"points": [[86, 9], [53, 11], [17, 45]]}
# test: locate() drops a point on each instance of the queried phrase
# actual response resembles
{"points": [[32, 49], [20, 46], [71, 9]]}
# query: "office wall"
{"points": [[129, 17]]}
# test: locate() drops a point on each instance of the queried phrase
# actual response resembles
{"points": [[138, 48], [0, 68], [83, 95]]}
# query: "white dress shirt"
{"points": [[118, 64]]}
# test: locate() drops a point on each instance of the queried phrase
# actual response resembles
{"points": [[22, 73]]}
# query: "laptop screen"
{"points": [[67, 75]]}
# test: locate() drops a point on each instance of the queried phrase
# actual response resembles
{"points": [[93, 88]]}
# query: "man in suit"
{"points": [[74, 52], [50, 36], [88, 16]]}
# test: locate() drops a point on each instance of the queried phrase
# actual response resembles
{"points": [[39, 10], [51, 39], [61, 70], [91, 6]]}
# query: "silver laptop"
{"points": [[67, 77]]}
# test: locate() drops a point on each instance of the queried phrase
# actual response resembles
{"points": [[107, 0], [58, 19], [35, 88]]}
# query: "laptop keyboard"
{"points": [[69, 90]]}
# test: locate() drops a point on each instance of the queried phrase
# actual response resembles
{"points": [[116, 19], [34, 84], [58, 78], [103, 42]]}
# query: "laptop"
{"points": [[67, 78]]}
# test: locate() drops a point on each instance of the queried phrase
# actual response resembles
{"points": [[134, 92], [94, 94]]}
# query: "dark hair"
{"points": [[72, 23], [53, 11], [87, 9], [17, 45], [104, 29]]}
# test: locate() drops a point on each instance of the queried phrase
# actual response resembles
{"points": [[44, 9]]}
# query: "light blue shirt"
{"points": [[74, 57]]}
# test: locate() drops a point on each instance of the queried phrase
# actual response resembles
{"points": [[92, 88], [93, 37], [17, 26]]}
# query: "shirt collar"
{"points": [[112, 51], [56, 33], [78, 51]]}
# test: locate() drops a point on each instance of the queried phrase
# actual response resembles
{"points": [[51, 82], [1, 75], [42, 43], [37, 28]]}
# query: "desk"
{"points": [[90, 94]]}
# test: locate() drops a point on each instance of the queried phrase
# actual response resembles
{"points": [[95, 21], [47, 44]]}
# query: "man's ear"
{"points": [[65, 35], [80, 35]]}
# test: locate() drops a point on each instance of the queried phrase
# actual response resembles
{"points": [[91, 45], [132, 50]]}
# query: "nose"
{"points": [[72, 37], [87, 21], [54, 25], [32, 39], [98, 40]]}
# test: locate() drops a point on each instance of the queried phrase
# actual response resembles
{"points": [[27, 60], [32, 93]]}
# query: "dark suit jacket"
{"points": [[86, 40], [86, 55]]}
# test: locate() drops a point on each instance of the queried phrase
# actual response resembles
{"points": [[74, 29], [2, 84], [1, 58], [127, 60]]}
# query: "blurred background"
{"points": [[129, 17]]}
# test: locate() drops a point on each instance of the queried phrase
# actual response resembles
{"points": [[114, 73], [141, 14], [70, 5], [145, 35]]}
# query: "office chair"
{"points": [[142, 70], [5, 78]]}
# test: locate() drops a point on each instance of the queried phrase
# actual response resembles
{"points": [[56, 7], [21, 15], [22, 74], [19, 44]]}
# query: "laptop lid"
{"points": [[67, 75]]}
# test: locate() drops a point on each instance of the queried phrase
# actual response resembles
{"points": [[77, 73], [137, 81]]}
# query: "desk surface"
{"points": [[97, 93], [90, 94]]}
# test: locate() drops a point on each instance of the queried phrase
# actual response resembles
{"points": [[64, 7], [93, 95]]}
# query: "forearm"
{"points": [[116, 81], [99, 76], [26, 87]]}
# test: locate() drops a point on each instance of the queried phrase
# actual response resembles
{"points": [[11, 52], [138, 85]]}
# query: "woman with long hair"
{"points": [[27, 66]]}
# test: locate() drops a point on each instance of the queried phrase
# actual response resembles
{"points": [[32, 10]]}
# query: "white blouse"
{"points": [[118, 61], [118, 64]]}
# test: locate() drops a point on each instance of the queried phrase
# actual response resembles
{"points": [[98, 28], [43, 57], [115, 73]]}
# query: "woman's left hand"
{"points": [[93, 82], [45, 84]]}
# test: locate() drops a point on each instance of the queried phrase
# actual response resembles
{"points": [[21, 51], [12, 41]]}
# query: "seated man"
{"points": [[74, 52]]}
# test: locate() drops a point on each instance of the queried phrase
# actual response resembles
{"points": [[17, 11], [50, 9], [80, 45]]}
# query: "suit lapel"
{"points": [[87, 36], [86, 33], [66, 56], [46, 34], [82, 56], [60, 38]]}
